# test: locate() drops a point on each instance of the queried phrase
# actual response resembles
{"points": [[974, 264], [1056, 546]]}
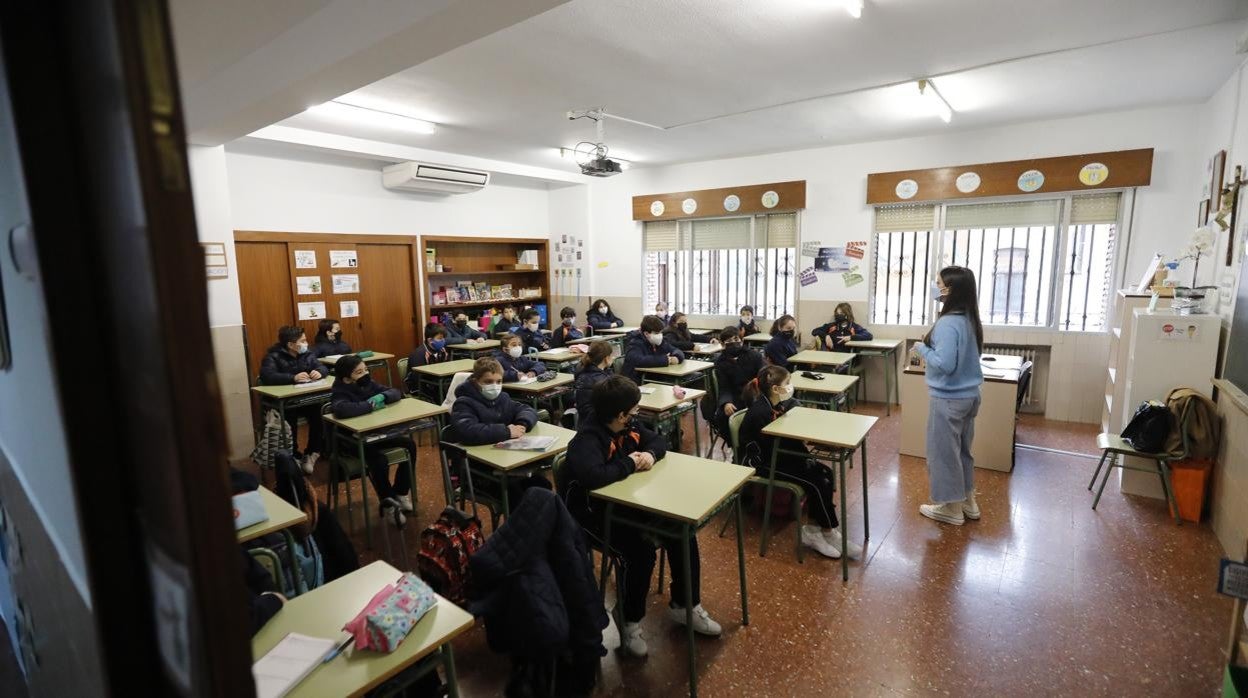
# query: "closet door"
{"points": [[264, 283], [313, 288], [387, 319]]}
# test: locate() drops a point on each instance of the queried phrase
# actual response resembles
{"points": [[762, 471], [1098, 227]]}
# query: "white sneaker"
{"points": [[812, 537], [310, 462], [702, 623], [390, 511], [970, 508], [405, 503], [632, 640], [949, 512], [834, 537]]}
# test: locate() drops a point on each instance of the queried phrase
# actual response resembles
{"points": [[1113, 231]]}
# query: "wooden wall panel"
{"points": [[265, 285], [325, 274], [387, 321], [791, 196]]}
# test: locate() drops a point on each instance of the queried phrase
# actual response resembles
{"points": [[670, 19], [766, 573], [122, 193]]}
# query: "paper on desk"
{"points": [[645, 390], [994, 374], [525, 380], [288, 663], [311, 384]]}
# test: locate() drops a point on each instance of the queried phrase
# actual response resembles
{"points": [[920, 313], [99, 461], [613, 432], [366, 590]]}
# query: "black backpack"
{"points": [[1149, 427]]}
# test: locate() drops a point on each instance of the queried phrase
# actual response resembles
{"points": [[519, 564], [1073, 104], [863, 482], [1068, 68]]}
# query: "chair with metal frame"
{"points": [[345, 466], [734, 430], [1117, 446], [1024, 380], [272, 564]]}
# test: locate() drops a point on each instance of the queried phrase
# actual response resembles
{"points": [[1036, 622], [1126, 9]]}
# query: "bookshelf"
{"points": [[480, 261]]}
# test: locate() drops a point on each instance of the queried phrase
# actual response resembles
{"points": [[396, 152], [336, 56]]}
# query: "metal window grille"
{"points": [[902, 257], [1091, 242]]}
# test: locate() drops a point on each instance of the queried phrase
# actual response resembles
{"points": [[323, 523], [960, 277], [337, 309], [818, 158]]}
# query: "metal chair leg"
{"points": [[1099, 463], [1101, 489], [1163, 472]]}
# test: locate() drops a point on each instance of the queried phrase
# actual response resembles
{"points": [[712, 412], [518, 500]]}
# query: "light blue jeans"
{"points": [[950, 431]]}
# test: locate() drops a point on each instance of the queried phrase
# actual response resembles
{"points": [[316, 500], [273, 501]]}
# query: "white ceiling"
{"points": [[670, 62]]}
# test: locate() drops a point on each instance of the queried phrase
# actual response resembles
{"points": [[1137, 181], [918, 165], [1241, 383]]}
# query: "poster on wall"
{"points": [[808, 276], [833, 260], [343, 259], [348, 309], [811, 249], [852, 278], [305, 259], [308, 285], [346, 283], [312, 311]]}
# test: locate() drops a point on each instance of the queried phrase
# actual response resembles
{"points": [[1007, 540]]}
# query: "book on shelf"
{"points": [[482, 290], [439, 297]]}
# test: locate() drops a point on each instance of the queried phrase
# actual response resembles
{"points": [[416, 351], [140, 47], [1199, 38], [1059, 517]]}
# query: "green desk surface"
{"points": [[377, 356], [281, 392], [683, 368], [617, 330], [814, 357], [446, 368], [281, 515], [323, 611], [834, 383], [476, 346], [501, 459], [662, 399], [877, 344], [705, 349], [681, 487], [560, 379], [406, 410], [558, 355], [758, 338], [839, 429]]}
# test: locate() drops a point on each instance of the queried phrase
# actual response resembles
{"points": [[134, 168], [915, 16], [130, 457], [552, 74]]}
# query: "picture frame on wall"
{"points": [[1217, 176], [1202, 213]]}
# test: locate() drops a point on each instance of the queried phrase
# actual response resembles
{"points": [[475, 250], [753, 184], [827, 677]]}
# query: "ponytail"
{"points": [[597, 352], [768, 378]]}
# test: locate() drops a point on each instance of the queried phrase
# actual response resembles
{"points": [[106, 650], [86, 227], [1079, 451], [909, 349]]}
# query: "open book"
{"points": [[288, 663], [527, 443]]}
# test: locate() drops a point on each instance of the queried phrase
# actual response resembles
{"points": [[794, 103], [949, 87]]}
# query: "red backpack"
{"points": [[445, 547]]}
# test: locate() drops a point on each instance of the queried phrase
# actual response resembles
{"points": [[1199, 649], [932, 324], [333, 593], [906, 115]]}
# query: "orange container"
{"points": [[1190, 480]]}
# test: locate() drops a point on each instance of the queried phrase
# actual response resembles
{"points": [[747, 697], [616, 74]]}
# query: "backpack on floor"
{"points": [[445, 547], [1149, 427]]}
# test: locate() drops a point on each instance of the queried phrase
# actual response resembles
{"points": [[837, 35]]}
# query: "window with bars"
{"points": [[714, 266], [1031, 271]]}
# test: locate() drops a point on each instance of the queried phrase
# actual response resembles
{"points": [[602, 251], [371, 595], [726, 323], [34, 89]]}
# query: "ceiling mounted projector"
{"points": [[592, 156]]}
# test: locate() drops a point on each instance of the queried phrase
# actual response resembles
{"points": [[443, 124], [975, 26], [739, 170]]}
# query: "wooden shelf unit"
{"points": [[478, 259], [1125, 302]]}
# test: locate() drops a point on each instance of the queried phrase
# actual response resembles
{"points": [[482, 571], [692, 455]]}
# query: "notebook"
{"points": [[527, 443], [644, 390], [288, 663], [525, 380]]}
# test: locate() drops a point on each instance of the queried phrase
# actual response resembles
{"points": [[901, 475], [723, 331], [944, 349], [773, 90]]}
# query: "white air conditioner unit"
{"points": [[437, 179]]}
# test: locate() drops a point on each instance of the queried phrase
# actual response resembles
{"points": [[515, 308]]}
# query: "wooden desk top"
{"points": [[839, 429], [476, 346], [446, 368], [705, 349], [408, 409], [877, 344], [815, 357], [281, 392], [502, 459], [833, 383], [587, 340], [281, 515], [683, 368], [558, 354], [560, 380], [618, 330], [662, 399], [323, 611], [758, 338], [377, 356], [681, 487]]}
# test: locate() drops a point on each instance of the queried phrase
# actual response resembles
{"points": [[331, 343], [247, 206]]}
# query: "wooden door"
{"points": [[387, 320], [326, 255], [264, 282]]}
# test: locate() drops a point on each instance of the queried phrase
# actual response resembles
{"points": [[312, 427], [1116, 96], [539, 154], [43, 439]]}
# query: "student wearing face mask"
{"points": [[566, 331], [600, 316], [462, 331], [678, 334], [660, 311], [515, 364], [647, 348], [595, 368], [506, 322], [356, 394], [746, 325], [735, 367], [530, 331], [329, 340], [433, 351], [770, 396], [842, 329], [783, 343], [289, 362]]}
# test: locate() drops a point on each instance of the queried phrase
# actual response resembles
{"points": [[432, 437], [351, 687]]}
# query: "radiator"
{"points": [[1029, 353]]}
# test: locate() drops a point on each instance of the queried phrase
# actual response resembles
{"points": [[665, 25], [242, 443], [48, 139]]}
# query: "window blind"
{"points": [[776, 230], [1094, 208], [659, 236], [722, 234], [900, 219], [1017, 214]]}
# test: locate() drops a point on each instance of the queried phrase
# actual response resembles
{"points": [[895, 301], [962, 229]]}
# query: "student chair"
{"points": [[763, 483], [272, 564], [1024, 380], [611, 561], [402, 364], [617, 366], [456, 495], [1113, 444], [345, 466], [710, 410]]}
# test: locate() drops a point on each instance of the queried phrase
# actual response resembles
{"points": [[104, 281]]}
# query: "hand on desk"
{"points": [[516, 430], [642, 460], [672, 361], [315, 375], [378, 401], [302, 377]]}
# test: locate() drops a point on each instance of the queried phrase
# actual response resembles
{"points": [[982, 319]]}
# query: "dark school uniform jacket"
{"points": [[639, 352], [422, 355], [601, 321], [597, 458], [477, 420], [351, 399], [683, 339], [827, 334], [586, 378], [512, 368], [779, 349], [746, 330], [280, 368], [533, 340], [564, 334], [757, 444], [733, 373], [460, 335], [324, 347]]}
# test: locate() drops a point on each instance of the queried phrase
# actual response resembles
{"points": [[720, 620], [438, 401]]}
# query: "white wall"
{"points": [[1222, 124], [211, 192]]}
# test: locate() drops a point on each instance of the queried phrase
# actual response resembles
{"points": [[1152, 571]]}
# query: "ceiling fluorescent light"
{"points": [[853, 7], [364, 116], [936, 102]]}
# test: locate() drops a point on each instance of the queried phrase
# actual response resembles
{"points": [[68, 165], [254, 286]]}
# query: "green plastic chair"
{"points": [[734, 431], [345, 466], [617, 365], [271, 564]]}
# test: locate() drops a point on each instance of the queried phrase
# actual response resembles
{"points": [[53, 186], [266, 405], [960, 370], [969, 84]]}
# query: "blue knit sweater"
{"points": [[953, 369]]}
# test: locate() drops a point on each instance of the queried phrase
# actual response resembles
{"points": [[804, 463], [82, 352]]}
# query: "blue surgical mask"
{"points": [[437, 344], [303, 347], [936, 292]]}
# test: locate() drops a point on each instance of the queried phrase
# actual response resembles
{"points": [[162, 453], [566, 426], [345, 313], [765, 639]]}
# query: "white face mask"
{"points": [[655, 339], [515, 352], [747, 318], [602, 309], [786, 392], [532, 326], [492, 391], [936, 295]]}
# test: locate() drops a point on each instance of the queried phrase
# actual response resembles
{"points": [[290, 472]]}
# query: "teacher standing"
{"points": [[952, 351]]}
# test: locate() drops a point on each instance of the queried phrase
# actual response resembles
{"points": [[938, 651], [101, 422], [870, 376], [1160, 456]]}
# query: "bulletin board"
{"points": [[568, 267]]}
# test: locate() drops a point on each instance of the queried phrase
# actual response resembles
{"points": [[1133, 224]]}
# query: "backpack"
{"points": [[1149, 427], [272, 437], [445, 547]]}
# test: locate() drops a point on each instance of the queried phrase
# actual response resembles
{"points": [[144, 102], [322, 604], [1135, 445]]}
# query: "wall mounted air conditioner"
{"points": [[436, 179]]}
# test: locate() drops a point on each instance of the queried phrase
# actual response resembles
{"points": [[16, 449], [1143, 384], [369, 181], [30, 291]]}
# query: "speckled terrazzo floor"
{"points": [[1043, 596]]}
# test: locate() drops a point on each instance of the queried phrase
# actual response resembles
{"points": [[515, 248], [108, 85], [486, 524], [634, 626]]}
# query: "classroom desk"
{"points": [[440, 375], [538, 391], [281, 517], [708, 350], [504, 463], [588, 340], [826, 392], [842, 434], [815, 359], [473, 350], [377, 360], [560, 358], [683, 373], [993, 445], [758, 338], [1001, 362], [398, 419], [887, 350], [662, 407], [617, 330], [290, 397], [323, 611], [685, 492]]}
